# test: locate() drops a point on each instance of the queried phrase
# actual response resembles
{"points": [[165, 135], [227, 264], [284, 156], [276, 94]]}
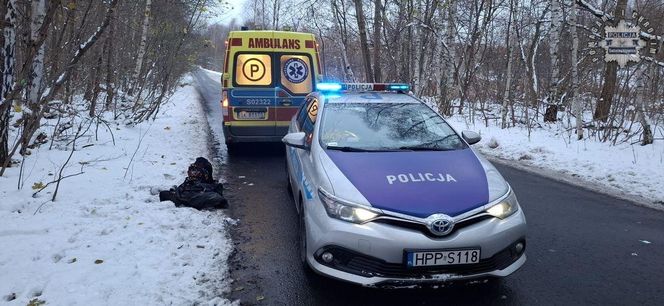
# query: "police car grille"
{"points": [[422, 228]]}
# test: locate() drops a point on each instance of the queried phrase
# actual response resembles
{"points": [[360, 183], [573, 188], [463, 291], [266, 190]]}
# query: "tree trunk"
{"points": [[142, 46], [551, 114], [32, 117], [8, 43], [364, 45], [95, 83], [508, 76], [377, 29], [577, 106], [110, 67], [641, 95], [603, 107], [449, 58]]}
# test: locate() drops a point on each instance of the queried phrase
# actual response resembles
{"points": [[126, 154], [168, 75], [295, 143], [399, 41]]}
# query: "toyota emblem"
{"points": [[440, 224]]}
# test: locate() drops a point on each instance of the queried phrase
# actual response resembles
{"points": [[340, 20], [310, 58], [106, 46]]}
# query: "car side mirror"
{"points": [[295, 140], [471, 137]]}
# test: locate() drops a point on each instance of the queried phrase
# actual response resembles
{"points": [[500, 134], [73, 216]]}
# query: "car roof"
{"points": [[370, 97]]}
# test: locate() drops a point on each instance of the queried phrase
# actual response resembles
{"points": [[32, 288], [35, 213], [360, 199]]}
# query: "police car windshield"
{"points": [[386, 127]]}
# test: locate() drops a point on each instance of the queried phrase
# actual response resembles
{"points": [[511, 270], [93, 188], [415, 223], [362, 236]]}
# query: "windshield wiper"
{"points": [[424, 148], [355, 149]]}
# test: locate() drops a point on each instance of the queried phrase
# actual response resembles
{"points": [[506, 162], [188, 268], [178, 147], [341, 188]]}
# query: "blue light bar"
{"points": [[401, 87], [328, 87]]}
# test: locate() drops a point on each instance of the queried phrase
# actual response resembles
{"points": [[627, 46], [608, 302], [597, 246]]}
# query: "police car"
{"points": [[388, 194]]}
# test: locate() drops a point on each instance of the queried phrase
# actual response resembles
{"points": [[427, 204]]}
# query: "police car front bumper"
{"points": [[372, 254]]}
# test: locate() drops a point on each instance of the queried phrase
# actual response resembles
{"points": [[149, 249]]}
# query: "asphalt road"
{"points": [[584, 248]]}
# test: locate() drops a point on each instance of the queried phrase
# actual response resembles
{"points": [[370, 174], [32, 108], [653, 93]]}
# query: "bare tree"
{"points": [[142, 47], [508, 73], [377, 44], [362, 27], [552, 100], [8, 40], [577, 106], [610, 76]]}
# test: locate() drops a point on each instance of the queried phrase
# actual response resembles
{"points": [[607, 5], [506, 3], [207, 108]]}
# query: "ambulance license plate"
{"points": [[251, 115], [442, 258]]}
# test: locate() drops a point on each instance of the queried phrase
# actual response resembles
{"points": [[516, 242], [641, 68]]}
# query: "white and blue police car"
{"points": [[388, 194]]}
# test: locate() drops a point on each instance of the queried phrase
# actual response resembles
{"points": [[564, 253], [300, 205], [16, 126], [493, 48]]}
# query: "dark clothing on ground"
{"points": [[199, 190]]}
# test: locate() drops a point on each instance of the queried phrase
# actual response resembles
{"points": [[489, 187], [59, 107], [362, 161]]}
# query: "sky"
{"points": [[227, 13]]}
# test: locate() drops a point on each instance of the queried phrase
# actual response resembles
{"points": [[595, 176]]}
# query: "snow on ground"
{"points": [[213, 74], [107, 240], [631, 171]]}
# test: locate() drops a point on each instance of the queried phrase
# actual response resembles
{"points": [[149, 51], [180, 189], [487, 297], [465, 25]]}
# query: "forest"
{"points": [[506, 62], [77, 65]]}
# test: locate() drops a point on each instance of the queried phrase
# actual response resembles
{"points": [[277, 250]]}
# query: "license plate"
{"points": [[251, 115], [442, 258]]}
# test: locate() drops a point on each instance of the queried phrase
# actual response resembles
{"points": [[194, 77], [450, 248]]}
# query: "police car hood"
{"points": [[421, 183]]}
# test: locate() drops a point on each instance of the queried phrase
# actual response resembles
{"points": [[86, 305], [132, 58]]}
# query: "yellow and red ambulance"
{"points": [[266, 76]]}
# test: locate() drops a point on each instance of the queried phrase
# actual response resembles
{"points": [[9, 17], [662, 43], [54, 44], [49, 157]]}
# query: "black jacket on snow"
{"points": [[197, 194]]}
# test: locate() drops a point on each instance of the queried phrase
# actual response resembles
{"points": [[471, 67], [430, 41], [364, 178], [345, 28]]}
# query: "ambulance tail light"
{"points": [[224, 103]]}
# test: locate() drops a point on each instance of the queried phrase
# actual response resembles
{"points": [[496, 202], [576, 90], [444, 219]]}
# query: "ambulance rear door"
{"points": [[253, 97]]}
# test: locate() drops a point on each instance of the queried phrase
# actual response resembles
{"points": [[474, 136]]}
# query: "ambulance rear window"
{"points": [[296, 73], [253, 70]]}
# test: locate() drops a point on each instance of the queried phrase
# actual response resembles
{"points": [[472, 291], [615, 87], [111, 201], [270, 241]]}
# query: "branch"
{"points": [[49, 183], [593, 10], [654, 61], [82, 49]]}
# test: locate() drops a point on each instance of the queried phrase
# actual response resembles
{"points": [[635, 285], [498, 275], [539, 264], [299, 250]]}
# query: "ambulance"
{"points": [[266, 76]]}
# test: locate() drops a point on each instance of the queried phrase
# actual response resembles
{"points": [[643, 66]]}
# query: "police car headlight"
{"points": [[344, 210], [505, 208]]}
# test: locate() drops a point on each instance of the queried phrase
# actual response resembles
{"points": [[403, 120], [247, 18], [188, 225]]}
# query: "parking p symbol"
{"points": [[253, 70]]}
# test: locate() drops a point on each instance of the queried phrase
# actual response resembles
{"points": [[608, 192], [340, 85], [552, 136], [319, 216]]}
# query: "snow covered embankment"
{"points": [[633, 172], [107, 240]]}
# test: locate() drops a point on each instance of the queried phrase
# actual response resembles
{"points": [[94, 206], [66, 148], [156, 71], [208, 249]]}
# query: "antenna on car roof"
{"points": [[244, 28]]}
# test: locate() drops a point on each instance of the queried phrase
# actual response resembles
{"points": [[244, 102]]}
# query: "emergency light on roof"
{"points": [[328, 87], [362, 87]]}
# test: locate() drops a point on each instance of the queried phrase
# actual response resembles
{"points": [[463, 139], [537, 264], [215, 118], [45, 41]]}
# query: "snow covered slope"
{"points": [[633, 172], [107, 240]]}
